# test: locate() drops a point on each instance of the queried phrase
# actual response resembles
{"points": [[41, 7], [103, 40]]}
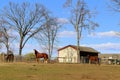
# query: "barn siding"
{"points": [[68, 55]]}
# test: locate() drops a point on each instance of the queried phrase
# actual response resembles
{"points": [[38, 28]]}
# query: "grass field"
{"points": [[34, 71]]}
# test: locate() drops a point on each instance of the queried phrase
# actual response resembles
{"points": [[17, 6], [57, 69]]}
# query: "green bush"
{"points": [[29, 57]]}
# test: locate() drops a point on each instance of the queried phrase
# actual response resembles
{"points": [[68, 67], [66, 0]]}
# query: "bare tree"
{"points": [[48, 36], [0, 38], [80, 18], [115, 5], [5, 37], [25, 19]]}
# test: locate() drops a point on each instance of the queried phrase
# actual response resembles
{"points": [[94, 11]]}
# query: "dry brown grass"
{"points": [[34, 71]]}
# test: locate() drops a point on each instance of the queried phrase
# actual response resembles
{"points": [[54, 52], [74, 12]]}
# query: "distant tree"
{"points": [[81, 17], [48, 36], [115, 5], [29, 56], [25, 19], [6, 37], [0, 38]]}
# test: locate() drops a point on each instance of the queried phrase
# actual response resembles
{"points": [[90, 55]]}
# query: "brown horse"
{"points": [[41, 55], [9, 57], [94, 59]]}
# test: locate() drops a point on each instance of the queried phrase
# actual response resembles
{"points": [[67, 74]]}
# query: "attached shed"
{"points": [[68, 54]]}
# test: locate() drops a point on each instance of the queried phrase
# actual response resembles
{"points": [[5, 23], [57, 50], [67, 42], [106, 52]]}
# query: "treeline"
{"points": [[19, 22]]}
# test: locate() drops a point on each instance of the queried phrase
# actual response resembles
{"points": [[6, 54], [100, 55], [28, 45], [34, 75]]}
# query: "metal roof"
{"points": [[82, 48]]}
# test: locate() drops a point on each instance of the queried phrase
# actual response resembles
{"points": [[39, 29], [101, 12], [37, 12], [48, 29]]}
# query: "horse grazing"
{"points": [[94, 60], [41, 55]]}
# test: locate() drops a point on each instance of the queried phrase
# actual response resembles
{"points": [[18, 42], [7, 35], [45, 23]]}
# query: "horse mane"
{"points": [[35, 51]]}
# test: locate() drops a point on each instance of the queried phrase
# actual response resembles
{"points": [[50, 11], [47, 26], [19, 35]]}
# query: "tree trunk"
{"points": [[20, 55], [20, 49], [49, 45], [78, 47], [7, 46], [49, 49]]}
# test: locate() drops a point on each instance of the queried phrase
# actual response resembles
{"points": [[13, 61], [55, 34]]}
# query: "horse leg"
{"points": [[12, 58], [7, 59], [37, 60], [45, 61]]}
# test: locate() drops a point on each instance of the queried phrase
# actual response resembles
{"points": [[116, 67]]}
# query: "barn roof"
{"points": [[82, 48]]}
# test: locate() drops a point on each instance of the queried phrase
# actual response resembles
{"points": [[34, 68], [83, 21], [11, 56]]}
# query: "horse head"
{"points": [[35, 51]]}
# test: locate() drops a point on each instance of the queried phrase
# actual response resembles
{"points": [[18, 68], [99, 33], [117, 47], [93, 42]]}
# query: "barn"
{"points": [[68, 54]]}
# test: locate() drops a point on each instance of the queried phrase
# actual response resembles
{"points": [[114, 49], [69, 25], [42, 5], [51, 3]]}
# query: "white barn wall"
{"points": [[67, 55]]}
